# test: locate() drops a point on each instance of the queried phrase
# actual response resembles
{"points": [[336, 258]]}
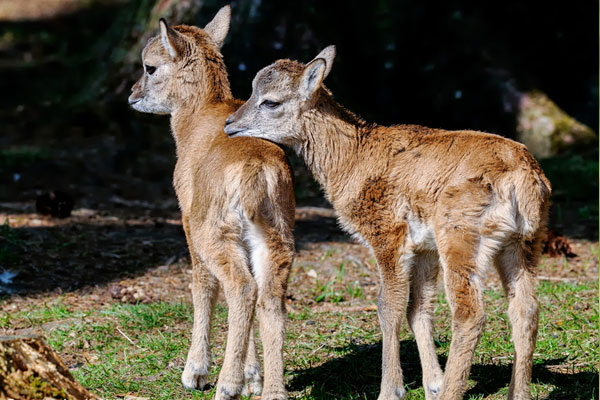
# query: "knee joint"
{"points": [[245, 291]]}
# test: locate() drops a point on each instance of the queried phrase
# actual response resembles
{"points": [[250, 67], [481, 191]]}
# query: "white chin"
{"points": [[141, 106]]}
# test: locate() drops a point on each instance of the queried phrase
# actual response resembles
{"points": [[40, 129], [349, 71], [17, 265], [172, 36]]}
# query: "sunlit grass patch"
{"points": [[37, 316], [134, 349], [332, 351]]}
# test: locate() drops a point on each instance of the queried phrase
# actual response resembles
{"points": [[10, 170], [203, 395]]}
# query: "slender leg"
{"points": [[226, 259], [204, 294], [458, 253], [516, 267], [393, 300], [252, 376], [272, 255], [420, 313]]}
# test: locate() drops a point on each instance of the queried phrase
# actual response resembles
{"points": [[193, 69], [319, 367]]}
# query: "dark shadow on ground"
{"points": [[71, 256], [318, 229], [94, 247], [358, 375]]}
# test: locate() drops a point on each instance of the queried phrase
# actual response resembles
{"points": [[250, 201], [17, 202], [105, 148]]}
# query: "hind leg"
{"points": [[458, 254], [421, 305], [225, 257], [272, 253], [516, 265], [252, 376]]}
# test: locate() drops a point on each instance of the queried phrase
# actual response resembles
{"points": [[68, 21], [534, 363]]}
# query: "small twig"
{"points": [[317, 349], [129, 339], [170, 261]]}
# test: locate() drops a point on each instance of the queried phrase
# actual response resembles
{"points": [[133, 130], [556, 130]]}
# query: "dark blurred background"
{"points": [[527, 70]]}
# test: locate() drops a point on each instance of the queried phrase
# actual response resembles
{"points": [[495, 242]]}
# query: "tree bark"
{"points": [[30, 369]]}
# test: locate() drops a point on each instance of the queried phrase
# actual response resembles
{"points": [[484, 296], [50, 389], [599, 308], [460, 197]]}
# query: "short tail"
{"points": [[268, 196], [532, 192]]}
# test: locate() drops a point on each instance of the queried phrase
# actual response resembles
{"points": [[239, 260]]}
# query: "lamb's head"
{"points": [[281, 93], [181, 62]]}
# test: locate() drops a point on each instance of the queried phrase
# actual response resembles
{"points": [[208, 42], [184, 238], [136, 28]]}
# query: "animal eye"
{"points": [[150, 69], [270, 104]]}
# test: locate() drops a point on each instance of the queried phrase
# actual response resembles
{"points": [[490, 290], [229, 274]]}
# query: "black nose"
{"points": [[228, 121]]}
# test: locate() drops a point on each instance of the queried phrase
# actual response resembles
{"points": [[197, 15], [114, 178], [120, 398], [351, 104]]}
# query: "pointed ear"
{"points": [[171, 39], [313, 75], [327, 54], [219, 26]]}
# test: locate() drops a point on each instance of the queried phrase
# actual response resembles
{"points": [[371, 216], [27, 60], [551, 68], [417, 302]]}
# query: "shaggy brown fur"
{"points": [[420, 198], [237, 205]]}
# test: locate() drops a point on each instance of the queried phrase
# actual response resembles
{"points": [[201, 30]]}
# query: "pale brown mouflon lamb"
{"points": [[237, 206], [420, 198]]}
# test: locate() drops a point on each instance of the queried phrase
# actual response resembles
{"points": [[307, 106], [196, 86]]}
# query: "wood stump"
{"points": [[30, 369], [547, 130]]}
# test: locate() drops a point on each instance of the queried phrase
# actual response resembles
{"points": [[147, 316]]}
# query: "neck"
{"points": [[333, 141], [196, 112], [200, 93]]}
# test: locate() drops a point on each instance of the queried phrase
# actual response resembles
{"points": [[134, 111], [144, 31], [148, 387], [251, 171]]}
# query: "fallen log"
{"points": [[30, 369]]}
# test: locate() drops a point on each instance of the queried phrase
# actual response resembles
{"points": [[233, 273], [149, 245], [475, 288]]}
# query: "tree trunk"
{"points": [[30, 369]]}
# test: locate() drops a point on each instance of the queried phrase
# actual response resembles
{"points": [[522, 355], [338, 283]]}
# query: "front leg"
{"points": [[393, 300], [204, 294], [205, 289], [227, 261]]}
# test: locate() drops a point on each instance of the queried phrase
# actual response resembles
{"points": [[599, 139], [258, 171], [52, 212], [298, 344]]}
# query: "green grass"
{"points": [[133, 349], [141, 349], [38, 316], [334, 291]]}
